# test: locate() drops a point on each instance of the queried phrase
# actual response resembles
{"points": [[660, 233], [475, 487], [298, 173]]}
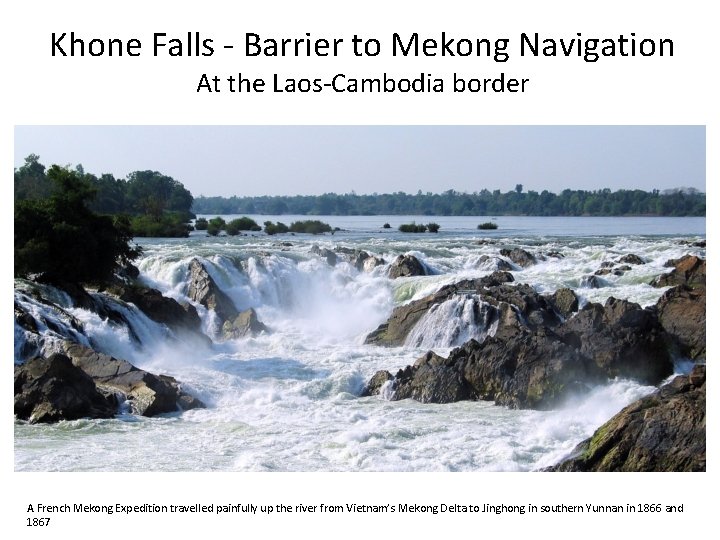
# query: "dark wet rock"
{"points": [[519, 256], [204, 290], [664, 431], [162, 309], [681, 312], [365, 262], [128, 273], [53, 389], [521, 369], [245, 324], [325, 253], [699, 243], [148, 394], [565, 302], [554, 254], [592, 282], [631, 258], [620, 270], [406, 266], [376, 382], [603, 272], [622, 338], [485, 242], [688, 270]]}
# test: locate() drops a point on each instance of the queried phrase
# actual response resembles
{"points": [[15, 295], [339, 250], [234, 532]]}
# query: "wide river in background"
{"points": [[288, 401]]}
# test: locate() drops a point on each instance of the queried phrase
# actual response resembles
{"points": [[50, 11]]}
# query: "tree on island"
{"points": [[60, 238]]}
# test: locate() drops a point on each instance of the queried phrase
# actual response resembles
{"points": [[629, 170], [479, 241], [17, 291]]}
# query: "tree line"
{"points": [[601, 202], [155, 204]]}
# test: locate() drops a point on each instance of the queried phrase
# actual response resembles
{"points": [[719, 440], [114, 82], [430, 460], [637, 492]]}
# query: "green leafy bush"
{"points": [[275, 228], [310, 226], [433, 227], [201, 224], [412, 228], [488, 225]]}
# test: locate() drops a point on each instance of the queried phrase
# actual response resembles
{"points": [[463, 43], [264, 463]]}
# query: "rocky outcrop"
{"points": [[245, 324], [520, 369], [53, 389], [534, 359], [622, 338], [404, 318], [664, 431], [204, 290], [519, 256], [631, 258], [688, 270], [681, 312], [162, 309], [148, 394], [407, 266], [329, 255]]}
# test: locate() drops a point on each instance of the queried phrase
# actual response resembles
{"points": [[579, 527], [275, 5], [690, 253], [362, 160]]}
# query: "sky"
{"points": [[310, 160]]}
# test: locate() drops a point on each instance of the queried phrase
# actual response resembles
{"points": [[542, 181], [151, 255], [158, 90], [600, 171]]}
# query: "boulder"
{"points": [[148, 394], [688, 270], [245, 324], [565, 302], [631, 258], [204, 290], [664, 431], [325, 253], [622, 338], [681, 312], [519, 256], [162, 309], [406, 266], [53, 389]]}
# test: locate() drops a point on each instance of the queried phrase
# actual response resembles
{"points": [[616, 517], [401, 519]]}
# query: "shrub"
{"points": [[433, 227], [488, 225], [244, 224], [310, 226], [201, 224], [275, 228], [386, 226], [412, 228]]}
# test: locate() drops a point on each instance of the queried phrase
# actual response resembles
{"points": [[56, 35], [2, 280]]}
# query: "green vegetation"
{"points": [[412, 228], [59, 237], [275, 228], [433, 227], [310, 226], [386, 226], [215, 225], [488, 225], [157, 204], [517, 202], [201, 224]]}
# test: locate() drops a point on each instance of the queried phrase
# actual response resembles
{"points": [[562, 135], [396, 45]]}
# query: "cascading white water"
{"points": [[459, 319], [287, 400]]}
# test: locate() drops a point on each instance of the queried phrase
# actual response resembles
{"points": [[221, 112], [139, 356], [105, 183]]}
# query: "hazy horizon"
{"points": [[312, 160]]}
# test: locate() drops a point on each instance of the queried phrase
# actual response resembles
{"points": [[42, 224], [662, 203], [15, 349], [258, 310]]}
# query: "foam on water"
{"points": [[288, 400]]}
